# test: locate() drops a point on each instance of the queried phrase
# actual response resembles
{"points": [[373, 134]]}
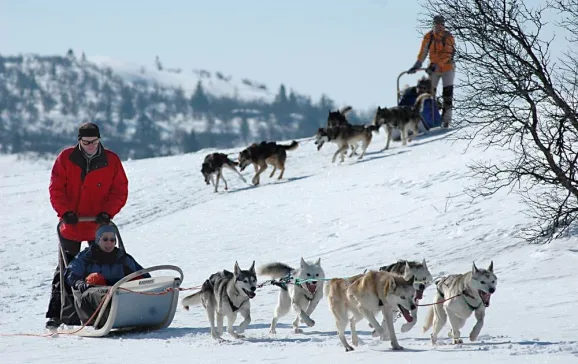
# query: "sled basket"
{"points": [[142, 304], [429, 112]]}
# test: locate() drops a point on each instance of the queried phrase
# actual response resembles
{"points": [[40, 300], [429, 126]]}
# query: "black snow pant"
{"points": [[69, 317], [87, 302]]}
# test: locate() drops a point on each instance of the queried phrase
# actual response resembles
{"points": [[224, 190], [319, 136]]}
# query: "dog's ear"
{"points": [[236, 270], [407, 267], [303, 263], [424, 264], [318, 262], [491, 267], [252, 268], [411, 280], [474, 268], [390, 286]]}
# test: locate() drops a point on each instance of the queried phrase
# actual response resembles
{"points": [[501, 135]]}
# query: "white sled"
{"points": [[145, 304]]}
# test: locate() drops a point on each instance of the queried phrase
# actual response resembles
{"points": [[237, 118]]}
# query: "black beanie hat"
{"points": [[88, 130]]}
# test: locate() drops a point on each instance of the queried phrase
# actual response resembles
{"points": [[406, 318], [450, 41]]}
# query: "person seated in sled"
{"points": [[410, 94], [95, 269]]}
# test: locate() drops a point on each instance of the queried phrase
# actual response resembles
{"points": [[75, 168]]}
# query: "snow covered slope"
{"points": [[405, 203]]}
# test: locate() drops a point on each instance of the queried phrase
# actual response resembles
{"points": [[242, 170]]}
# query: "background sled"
{"points": [[430, 114], [143, 304]]}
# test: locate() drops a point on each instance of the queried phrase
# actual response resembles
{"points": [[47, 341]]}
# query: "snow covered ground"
{"points": [[405, 203]]}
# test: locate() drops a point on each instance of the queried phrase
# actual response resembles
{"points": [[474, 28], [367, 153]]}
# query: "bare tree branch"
{"points": [[520, 97]]}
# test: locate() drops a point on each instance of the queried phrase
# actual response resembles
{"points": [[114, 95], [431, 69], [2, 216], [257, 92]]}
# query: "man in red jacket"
{"points": [[87, 180]]}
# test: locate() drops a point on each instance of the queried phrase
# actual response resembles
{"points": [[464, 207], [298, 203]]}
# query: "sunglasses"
{"points": [[89, 142], [109, 239]]}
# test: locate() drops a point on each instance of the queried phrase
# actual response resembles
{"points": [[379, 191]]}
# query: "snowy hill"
{"points": [[405, 203], [144, 111]]}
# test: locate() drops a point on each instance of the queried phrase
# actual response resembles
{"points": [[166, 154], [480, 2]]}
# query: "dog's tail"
{"points": [[275, 270], [428, 319], [291, 146], [345, 110], [192, 300]]}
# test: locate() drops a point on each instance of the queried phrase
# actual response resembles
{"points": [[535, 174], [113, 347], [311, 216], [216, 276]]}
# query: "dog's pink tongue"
{"points": [[419, 294], [485, 298], [311, 287], [406, 314]]}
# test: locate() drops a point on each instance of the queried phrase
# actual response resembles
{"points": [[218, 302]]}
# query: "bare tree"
{"points": [[519, 97]]}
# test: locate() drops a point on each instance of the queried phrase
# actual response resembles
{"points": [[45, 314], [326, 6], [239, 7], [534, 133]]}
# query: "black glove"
{"points": [[414, 68], [103, 218], [70, 217], [431, 68], [81, 286]]}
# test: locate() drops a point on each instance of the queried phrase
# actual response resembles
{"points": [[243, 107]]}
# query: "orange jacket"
{"points": [[441, 49]]}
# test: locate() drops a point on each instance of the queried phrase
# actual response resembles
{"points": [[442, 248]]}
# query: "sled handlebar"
{"points": [[87, 219], [403, 73]]}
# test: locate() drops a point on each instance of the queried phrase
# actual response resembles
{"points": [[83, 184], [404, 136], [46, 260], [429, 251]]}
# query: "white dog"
{"points": [[466, 293], [302, 297]]}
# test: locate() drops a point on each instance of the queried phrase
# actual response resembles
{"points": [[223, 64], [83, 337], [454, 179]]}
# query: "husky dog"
{"points": [[224, 294], [466, 294], [302, 297], [214, 164], [340, 306], [366, 294], [399, 117], [266, 153], [344, 136], [338, 118], [422, 280]]}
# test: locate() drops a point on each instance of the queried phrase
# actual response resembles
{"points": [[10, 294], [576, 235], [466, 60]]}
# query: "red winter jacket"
{"points": [[87, 188]]}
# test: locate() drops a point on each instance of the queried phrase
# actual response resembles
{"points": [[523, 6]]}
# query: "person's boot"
{"points": [[53, 323]]}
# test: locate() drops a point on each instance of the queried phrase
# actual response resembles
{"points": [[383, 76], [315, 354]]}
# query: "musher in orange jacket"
{"points": [[439, 44]]}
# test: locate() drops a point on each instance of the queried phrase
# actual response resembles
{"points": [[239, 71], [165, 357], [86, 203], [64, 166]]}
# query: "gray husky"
{"points": [[399, 117], [303, 297], [224, 294], [344, 136], [422, 280], [465, 294]]}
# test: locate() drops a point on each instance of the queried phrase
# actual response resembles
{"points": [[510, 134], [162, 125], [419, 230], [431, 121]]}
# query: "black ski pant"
{"points": [[71, 249]]}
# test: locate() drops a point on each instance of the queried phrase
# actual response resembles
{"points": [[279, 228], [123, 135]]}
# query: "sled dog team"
{"points": [[392, 289], [338, 131]]}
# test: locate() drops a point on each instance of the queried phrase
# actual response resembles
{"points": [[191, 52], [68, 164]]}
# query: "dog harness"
{"points": [[233, 307], [464, 293]]}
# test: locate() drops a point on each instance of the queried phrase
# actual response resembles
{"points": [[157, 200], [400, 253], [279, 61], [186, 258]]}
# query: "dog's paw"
{"points": [[407, 326], [348, 348], [396, 347], [457, 341], [473, 337], [374, 333], [273, 331], [310, 322]]}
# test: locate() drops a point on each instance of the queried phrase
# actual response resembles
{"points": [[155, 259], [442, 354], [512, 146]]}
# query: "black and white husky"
{"points": [[224, 294]]}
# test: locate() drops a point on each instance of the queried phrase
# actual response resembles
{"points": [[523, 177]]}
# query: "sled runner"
{"points": [[135, 304]]}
